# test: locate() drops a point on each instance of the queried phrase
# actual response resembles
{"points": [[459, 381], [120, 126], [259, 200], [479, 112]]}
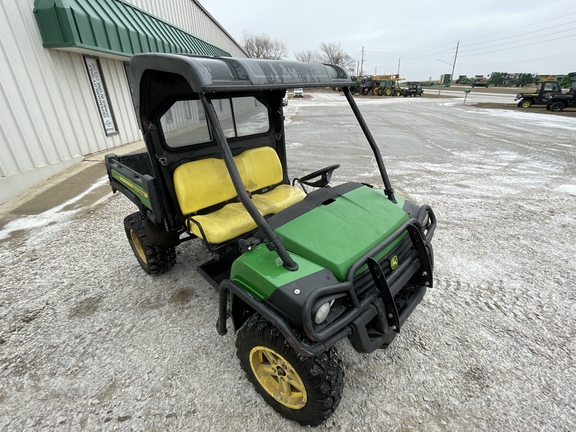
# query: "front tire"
{"points": [[526, 104], [303, 389], [153, 259]]}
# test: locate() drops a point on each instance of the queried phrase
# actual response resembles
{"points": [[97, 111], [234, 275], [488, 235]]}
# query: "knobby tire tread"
{"points": [[160, 260], [323, 375]]}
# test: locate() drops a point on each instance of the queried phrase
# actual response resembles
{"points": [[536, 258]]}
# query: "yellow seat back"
{"points": [[203, 183], [261, 166]]}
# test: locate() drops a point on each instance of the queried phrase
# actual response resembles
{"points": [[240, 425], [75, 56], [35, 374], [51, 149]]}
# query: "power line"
{"points": [[527, 33], [520, 46], [521, 40], [439, 50], [524, 26], [518, 61]]}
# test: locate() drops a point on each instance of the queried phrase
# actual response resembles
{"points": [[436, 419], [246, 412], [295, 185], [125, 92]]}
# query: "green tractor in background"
{"points": [[388, 88]]}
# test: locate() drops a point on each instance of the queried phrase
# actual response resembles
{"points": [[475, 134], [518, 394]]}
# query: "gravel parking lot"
{"points": [[88, 341]]}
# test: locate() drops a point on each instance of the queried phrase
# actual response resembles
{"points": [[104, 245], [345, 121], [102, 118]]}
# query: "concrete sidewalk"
{"points": [[82, 185]]}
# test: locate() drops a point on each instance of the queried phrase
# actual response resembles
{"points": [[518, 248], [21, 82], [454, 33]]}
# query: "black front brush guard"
{"points": [[318, 348], [344, 326]]}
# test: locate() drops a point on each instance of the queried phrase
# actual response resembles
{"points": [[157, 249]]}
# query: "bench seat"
{"points": [[205, 183]]}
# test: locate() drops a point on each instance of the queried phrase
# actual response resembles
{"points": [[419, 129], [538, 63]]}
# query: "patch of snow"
{"points": [[55, 215], [566, 188]]}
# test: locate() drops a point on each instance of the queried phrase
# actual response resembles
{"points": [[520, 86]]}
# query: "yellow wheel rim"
{"points": [[526, 104], [388, 92], [278, 377], [138, 246]]}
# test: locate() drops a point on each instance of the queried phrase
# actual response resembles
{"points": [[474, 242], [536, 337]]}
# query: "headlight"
{"points": [[323, 312]]}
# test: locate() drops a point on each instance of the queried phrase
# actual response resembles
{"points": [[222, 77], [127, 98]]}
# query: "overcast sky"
{"points": [[536, 36]]}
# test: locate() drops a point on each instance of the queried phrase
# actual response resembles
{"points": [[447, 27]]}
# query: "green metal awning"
{"points": [[114, 27]]}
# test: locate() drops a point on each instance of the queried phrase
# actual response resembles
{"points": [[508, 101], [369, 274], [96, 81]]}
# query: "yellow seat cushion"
{"points": [[229, 222], [278, 199]]}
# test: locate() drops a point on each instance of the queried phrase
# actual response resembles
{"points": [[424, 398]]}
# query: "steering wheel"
{"points": [[325, 175]]}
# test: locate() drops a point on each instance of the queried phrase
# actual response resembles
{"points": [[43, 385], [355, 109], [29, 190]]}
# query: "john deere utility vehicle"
{"points": [[558, 101], [298, 265], [526, 100], [414, 89]]}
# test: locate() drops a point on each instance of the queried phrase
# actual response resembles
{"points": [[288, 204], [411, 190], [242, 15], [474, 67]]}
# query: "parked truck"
{"points": [[298, 265], [480, 81]]}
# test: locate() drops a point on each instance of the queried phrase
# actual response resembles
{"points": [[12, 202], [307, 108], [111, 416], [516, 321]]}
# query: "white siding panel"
{"points": [[49, 114], [75, 89]]}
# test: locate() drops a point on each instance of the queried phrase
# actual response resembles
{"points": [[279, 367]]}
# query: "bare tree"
{"points": [[307, 56], [333, 53], [263, 47]]}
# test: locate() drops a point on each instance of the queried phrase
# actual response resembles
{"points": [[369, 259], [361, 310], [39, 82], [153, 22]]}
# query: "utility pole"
{"points": [[399, 66], [455, 57], [362, 64]]}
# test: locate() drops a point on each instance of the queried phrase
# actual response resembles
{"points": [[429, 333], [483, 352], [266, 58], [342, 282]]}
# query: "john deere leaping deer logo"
{"points": [[394, 262]]}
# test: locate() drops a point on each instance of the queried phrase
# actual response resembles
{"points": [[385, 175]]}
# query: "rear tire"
{"points": [[557, 107], [388, 91], [303, 389], [153, 259]]}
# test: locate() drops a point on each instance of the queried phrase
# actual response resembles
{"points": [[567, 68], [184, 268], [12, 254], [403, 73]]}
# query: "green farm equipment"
{"points": [[299, 266]]}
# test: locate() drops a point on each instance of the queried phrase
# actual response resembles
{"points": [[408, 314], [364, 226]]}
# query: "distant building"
{"points": [[64, 89]]}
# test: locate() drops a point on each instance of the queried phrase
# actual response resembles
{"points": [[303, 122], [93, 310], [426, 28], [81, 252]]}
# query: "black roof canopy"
{"points": [[159, 79], [225, 74]]}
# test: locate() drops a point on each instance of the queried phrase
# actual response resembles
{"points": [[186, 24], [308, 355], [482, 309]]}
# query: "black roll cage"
{"points": [[209, 75]]}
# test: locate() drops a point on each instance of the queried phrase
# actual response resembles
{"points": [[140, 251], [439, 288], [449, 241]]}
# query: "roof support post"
{"points": [[387, 186], [274, 242]]}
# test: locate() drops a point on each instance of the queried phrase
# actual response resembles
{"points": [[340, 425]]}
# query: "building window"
{"points": [[101, 94]]}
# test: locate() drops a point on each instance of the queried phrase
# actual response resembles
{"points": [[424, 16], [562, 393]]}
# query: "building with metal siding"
{"points": [[54, 112], [190, 16]]}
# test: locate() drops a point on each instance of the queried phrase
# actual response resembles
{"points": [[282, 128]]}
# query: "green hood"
{"points": [[337, 234]]}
